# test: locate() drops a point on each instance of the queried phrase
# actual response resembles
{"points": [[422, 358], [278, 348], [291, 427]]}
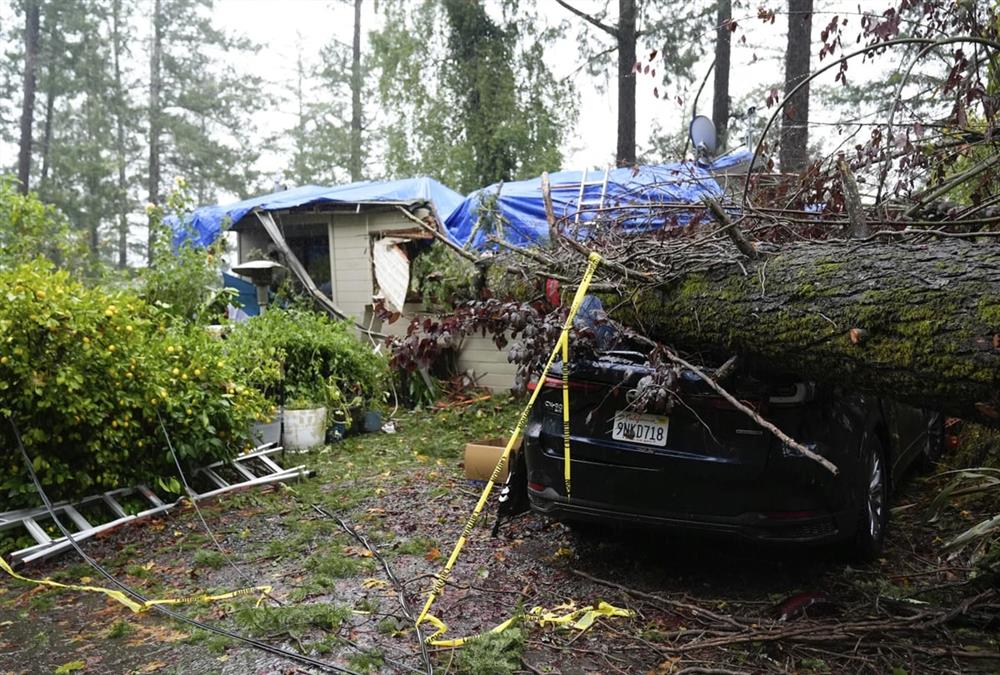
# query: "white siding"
{"points": [[489, 364]]}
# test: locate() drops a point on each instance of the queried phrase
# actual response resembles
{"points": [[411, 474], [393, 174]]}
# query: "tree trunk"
{"points": [[31, 22], [626, 83], [356, 95], [122, 200], [917, 323], [720, 99], [155, 122], [794, 152], [50, 106]]}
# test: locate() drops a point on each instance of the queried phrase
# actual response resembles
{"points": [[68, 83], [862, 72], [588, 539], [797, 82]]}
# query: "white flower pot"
{"points": [[304, 429], [267, 432]]}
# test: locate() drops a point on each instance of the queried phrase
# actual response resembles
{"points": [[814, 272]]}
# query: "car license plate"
{"points": [[644, 429]]}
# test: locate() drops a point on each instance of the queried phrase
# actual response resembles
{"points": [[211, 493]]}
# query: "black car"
{"points": [[709, 467]]}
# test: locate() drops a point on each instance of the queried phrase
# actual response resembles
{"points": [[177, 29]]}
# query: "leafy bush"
{"points": [[318, 360], [186, 282], [85, 372], [443, 278], [29, 228]]}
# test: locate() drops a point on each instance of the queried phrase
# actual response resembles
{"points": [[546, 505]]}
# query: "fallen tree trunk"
{"points": [[918, 323]]}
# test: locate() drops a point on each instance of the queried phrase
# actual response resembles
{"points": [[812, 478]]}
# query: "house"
{"points": [[354, 243]]}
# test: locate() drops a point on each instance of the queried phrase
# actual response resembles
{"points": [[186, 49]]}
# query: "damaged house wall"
{"points": [[350, 281]]}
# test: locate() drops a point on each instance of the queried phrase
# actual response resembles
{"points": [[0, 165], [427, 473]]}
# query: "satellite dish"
{"points": [[703, 137]]}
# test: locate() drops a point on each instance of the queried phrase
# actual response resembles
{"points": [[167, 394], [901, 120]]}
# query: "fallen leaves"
{"points": [[357, 551]]}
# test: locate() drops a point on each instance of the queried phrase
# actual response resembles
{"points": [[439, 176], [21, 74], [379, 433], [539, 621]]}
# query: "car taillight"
{"points": [[537, 487]]}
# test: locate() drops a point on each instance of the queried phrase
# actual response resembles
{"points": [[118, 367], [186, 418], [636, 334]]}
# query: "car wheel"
{"points": [[873, 507]]}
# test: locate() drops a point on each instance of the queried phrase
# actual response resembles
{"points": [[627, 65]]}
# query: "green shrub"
{"points": [[85, 372], [315, 358], [443, 278], [29, 228], [187, 282]]}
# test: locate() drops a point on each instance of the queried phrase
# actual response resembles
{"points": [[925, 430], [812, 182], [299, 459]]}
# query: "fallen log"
{"points": [[916, 322]]}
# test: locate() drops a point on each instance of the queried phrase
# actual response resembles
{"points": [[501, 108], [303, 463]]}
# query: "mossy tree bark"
{"points": [[918, 323]]}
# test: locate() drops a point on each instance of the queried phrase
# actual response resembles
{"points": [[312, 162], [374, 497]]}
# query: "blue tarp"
{"points": [[522, 209], [207, 222]]}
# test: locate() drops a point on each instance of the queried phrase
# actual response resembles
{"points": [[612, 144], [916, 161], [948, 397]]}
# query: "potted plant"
{"points": [[304, 416], [325, 371]]}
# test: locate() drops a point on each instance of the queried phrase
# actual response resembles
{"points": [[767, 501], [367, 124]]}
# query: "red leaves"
{"points": [[766, 15]]}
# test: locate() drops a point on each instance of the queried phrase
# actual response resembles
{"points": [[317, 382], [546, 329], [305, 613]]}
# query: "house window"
{"points": [[313, 251]]}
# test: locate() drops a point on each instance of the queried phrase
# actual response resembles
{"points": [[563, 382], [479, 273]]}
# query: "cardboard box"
{"points": [[481, 458]]}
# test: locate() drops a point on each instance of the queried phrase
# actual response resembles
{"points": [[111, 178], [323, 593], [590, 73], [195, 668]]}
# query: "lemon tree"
{"points": [[87, 373]]}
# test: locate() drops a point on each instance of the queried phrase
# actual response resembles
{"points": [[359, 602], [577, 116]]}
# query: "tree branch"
{"points": [[852, 201], [610, 30], [730, 228]]}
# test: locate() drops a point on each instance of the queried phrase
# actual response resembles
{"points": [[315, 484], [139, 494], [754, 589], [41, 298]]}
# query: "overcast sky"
{"points": [[283, 26]]}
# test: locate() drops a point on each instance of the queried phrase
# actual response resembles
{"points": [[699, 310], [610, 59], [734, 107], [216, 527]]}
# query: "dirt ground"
{"points": [[698, 606]]}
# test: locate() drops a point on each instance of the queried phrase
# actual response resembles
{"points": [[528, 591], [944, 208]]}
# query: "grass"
{"points": [[350, 477], [492, 654], [119, 629], [418, 545], [291, 619], [334, 565], [367, 661], [209, 558], [215, 643]]}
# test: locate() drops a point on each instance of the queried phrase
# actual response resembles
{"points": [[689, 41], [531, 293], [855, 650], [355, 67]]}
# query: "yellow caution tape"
{"points": [[576, 619], [567, 478], [134, 605], [442, 577], [574, 307]]}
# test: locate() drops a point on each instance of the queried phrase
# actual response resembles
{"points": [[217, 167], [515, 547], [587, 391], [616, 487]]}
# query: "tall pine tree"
{"points": [[466, 92]]}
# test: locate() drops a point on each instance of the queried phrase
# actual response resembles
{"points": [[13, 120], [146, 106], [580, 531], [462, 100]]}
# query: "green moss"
{"points": [[828, 267], [988, 311], [692, 286]]}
